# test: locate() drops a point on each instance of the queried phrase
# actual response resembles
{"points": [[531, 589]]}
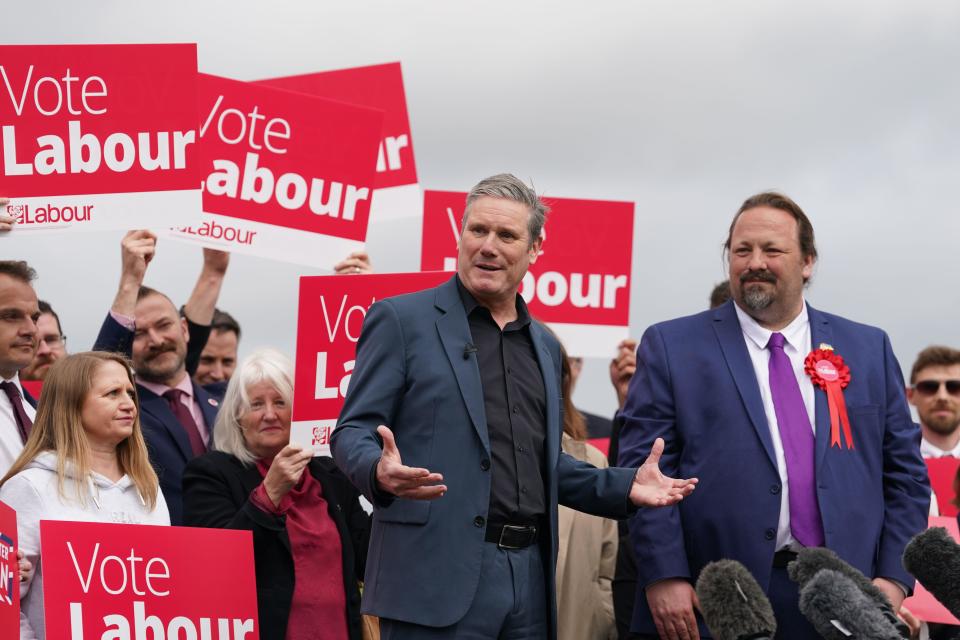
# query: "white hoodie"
{"points": [[34, 495]]}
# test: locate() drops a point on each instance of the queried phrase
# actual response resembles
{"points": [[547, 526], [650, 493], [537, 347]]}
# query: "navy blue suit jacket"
{"points": [[167, 442], [696, 388], [423, 565]]}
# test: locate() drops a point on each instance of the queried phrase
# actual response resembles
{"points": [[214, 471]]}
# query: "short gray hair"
{"points": [[508, 187], [263, 365]]}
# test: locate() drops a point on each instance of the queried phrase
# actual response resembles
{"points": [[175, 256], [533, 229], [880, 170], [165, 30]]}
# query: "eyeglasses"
{"points": [[932, 387], [54, 341]]}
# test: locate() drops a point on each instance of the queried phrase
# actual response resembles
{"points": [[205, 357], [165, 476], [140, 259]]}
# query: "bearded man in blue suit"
{"points": [[464, 384], [729, 393]]}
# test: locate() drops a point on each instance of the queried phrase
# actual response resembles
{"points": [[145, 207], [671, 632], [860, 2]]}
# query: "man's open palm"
{"points": [[653, 489]]}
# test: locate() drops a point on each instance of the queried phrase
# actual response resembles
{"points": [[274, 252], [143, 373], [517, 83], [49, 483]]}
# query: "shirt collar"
{"points": [[185, 385], [470, 304], [793, 333], [16, 382], [930, 450]]}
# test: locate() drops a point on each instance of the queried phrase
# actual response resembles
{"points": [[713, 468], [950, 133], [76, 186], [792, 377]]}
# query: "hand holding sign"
{"points": [[136, 251], [402, 481], [356, 262], [6, 220], [24, 566], [285, 471], [622, 368]]}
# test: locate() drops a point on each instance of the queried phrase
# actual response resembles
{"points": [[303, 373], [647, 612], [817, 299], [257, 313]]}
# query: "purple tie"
{"points": [[798, 446], [24, 423], [185, 418]]}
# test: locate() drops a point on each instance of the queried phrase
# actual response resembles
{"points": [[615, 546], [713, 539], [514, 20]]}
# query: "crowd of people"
{"points": [[469, 477]]}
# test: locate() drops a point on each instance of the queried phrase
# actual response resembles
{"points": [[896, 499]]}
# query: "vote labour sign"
{"points": [[9, 587], [397, 202], [378, 86], [288, 176], [141, 582], [329, 319], [580, 283], [99, 136]]}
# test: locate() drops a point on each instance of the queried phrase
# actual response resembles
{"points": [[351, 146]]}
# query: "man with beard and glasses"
{"points": [[51, 344], [729, 392], [935, 391], [177, 414]]}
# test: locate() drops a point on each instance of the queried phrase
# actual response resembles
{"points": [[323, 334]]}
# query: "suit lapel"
{"points": [[208, 407], [454, 333], [551, 388], [820, 332], [157, 407], [730, 336]]}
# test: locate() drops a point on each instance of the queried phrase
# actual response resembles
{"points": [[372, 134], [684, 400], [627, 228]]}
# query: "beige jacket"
{"points": [[585, 564]]}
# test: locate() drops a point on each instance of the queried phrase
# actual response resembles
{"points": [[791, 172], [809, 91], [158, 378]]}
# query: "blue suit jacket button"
{"points": [[770, 534], [479, 521], [774, 489], [485, 464]]}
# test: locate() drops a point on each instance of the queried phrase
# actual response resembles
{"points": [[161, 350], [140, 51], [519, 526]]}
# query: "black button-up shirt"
{"points": [[514, 401]]}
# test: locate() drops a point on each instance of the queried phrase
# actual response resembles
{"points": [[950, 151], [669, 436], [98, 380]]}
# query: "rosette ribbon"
{"points": [[828, 371]]}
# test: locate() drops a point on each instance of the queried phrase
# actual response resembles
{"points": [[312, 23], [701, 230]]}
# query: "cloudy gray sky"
{"points": [[683, 108]]}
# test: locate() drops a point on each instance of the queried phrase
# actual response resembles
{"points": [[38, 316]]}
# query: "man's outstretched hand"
{"points": [[653, 489], [397, 479]]}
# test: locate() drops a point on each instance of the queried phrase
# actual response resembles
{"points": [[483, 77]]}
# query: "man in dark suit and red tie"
{"points": [[743, 396], [19, 311]]}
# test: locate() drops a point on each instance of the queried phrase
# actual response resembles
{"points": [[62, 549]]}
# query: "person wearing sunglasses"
{"points": [[935, 392]]}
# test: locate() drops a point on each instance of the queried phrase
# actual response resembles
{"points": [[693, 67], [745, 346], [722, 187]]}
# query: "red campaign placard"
{"points": [[582, 277], [141, 581], [9, 587], [98, 119], [287, 159], [33, 387], [379, 86], [942, 472], [329, 320], [922, 604]]}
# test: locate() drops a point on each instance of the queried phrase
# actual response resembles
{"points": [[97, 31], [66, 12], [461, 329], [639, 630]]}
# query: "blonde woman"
{"points": [[85, 460]]}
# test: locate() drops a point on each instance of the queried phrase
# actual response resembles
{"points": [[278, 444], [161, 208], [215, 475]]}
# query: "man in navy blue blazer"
{"points": [[176, 413], [464, 384], [729, 393]]}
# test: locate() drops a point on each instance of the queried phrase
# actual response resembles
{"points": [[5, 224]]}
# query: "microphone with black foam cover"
{"points": [[813, 560], [839, 610], [933, 558], [733, 604]]}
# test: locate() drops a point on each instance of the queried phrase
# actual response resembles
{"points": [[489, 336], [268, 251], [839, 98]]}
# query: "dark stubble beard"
{"points": [[943, 425], [149, 371]]}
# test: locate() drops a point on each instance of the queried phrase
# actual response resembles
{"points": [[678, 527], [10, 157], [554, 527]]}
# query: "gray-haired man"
{"points": [[464, 384]]}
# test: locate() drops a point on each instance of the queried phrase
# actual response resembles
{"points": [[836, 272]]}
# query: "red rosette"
{"points": [[828, 371]]}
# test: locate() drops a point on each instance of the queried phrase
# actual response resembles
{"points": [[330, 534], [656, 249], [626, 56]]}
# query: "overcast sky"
{"points": [[684, 108]]}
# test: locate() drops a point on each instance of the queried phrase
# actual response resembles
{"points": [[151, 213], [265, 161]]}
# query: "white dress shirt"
{"points": [[10, 443], [797, 346], [929, 450]]}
